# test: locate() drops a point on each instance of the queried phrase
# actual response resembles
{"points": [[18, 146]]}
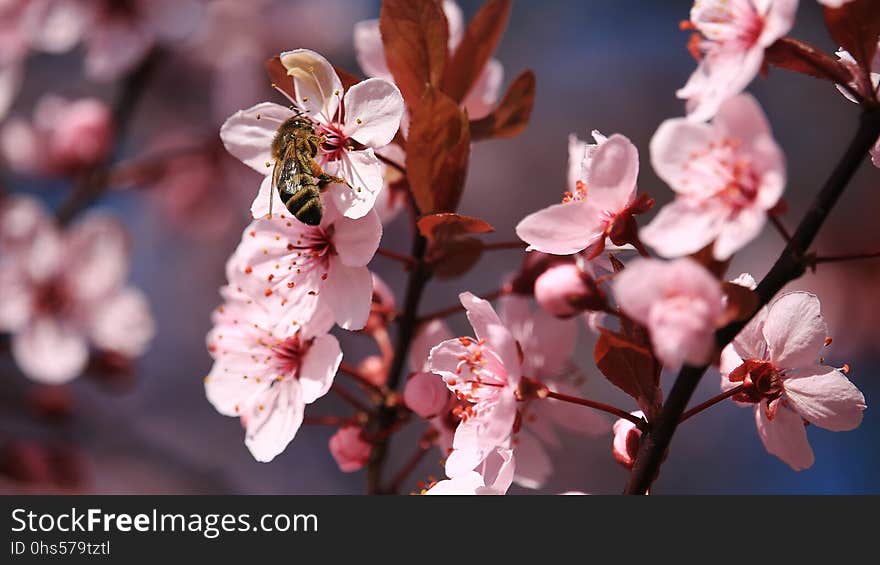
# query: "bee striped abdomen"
{"points": [[305, 205]]}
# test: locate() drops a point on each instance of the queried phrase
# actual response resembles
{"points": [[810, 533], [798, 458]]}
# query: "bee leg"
{"points": [[325, 180]]}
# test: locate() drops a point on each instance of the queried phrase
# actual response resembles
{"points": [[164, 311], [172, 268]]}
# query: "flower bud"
{"points": [[82, 136], [564, 290], [374, 370], [626, 440], [349, 449], [425, 394]]}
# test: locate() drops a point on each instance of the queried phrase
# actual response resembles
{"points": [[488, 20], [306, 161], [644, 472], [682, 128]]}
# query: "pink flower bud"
{"points": [[374, 369], [82, 136], [564, 290], [349, 450], [425, 394], [626, 440]]}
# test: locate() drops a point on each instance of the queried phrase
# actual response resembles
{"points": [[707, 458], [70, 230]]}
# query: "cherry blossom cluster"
{"points": [[655, 298]]}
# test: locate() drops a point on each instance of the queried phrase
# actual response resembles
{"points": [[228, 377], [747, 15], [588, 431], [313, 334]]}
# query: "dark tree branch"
{"points": [[787, 268]]}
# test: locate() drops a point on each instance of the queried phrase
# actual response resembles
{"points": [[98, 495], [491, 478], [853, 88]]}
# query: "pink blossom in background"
{"points": [[289, 262], [778, 358], [735, 34], [349, 449], [483, 95], [373, 109], [61, 292], [727, 176], [265, 371], [445, 422], [64, 137], [492, 476], [485, 373], [680, 303], [425, 394], [626, 440], [600, 204], [565, 290], [547, 344]]}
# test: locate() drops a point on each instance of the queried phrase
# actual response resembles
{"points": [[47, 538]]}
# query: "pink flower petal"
{"points": [[561, 229], [260, 206], [785, 437], [682, 228], [363, 171], [487, 325], [356, 241], [481, 99], [428, 335], [49, 352], [672, 149], [613, 174], [533, 464], [373, 109], [795, 330], [122, 323], [319, 367], [742, 118], [348, 293], [228, 389], [273, 419], [97, 256], [318, 88], [738, 231], [825, 397], [249, 138], [369, 49]]}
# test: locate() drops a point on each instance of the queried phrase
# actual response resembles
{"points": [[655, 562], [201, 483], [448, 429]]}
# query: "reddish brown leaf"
{"points": [[511, 116], [630, 369], [476, 48], [415, 35], [800, 57], [856, 27], [706, 258], [279, 78], [437, 153], [456, 257], [447, 225], [741, 302]]}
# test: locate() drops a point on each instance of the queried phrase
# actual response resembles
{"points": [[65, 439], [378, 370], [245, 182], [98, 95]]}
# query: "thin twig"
{"points": [[347, 396], [780, 227], [407, 260], [391, 163], [410, 466], [845, 257], [712, 402], [360, 378], [789, 266], [504, 245], [601, 406]]}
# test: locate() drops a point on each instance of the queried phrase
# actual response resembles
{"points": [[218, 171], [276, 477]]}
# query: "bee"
{"points": [[298, 179]]}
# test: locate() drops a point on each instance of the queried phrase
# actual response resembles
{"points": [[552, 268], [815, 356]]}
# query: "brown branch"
{"points": [[789, 266], [780, 227], [845, 257], [505, 245], [407, 260], [410, 466]]}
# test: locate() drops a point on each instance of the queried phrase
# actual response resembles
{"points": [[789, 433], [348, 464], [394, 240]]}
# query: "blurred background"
{"points": [[607, 65]]}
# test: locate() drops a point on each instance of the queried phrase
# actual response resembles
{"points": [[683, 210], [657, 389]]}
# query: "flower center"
{"points": [[579, 194], [53, 298], [733, 23], [335, 141], [288, 356], [724, 173], [761, 380], [482, 376]]}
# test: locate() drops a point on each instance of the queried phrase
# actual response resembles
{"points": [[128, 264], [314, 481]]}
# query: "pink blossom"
{"points": [[777, 358], [349, 449], [59, 292], [679, 302], [445, 421], [547, 344], [372, 111], [565, 290], [288, 262], [600, 203], [626, 440], [834, 3], [425, 394], [726, 176], [265, 371], [492, 476], [484, 372], [735, 34], [479, 101], [66, 136]]}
